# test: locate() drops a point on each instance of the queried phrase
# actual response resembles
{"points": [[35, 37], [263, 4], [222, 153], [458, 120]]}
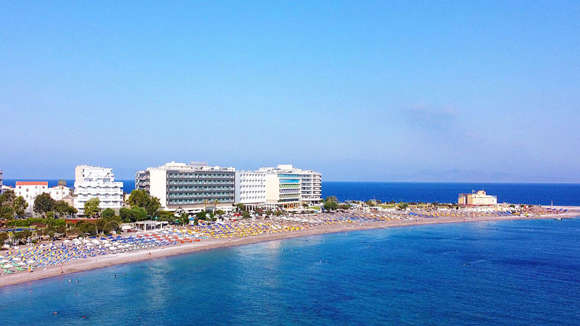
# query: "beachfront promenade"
{"points": [[50, 259]]}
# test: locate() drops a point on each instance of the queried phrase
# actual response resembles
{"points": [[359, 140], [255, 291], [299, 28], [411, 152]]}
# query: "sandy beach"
{"points": [[131, 257]]}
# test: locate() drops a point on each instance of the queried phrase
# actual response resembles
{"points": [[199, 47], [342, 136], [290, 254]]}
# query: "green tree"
{"points": [[331, 198], [141, 198], [62, 208], [6, 212], [7, 198], [201, 215], [3, 238], [92, 207], [43, 204], [330, 203], [125, 214], [184, 219], [133, 215], [108, 224], [20, 206], [139, 213], [402, 206], [7, 204], [86, 228], [108, 213]]}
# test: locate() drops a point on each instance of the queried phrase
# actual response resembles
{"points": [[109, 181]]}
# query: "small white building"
{"points": [[97, 182], [29, 190], [59, 192]]}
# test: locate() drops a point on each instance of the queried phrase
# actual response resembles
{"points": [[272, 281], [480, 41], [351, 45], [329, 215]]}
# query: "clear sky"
{"points": [[359, 90]]}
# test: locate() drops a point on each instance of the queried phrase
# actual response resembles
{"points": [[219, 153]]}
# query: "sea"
{"points": [[482, 273], [564, 194]]}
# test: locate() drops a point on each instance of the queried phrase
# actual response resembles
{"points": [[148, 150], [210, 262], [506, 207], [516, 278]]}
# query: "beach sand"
{"points": [[131, 257]]}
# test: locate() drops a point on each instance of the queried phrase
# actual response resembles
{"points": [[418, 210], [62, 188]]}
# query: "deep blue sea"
{"points": [[528, 193], [486, 273]]}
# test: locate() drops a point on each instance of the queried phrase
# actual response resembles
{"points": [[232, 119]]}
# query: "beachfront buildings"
{"points": [[290, 187], [250, 188], [283, 186], [310, 187], [29, 190], [97, 182], [1, 180], [479, 198], [191, 187]]}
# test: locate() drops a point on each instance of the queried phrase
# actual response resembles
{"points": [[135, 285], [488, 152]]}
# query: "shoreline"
{"points": [[143, 255]]}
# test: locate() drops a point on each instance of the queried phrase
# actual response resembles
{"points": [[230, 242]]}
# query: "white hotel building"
{"points": [[283, 186], [97, 182], [251, 188], [190, 187], [1, 180]]}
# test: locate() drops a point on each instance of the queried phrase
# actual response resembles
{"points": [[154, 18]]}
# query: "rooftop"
{"points": [[32, 183]]}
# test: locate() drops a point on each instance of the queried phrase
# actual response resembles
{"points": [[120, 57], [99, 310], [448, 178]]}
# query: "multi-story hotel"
{"points": [[310, 187], [251, 188], [289, 187], [191, 187], [97, 182], [1, 180], [29, 190]]}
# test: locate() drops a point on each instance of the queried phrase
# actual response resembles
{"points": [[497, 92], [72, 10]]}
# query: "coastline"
{"points": [[137, 256]]}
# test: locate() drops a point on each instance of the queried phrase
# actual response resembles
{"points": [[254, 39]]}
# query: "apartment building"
{"points": [[97, 182]]}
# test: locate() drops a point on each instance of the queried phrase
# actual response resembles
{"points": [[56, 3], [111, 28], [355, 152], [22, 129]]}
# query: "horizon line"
{"points": [[353, 181]]}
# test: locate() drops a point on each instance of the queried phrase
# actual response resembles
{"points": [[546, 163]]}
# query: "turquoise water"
{"points": [[488, 273]]}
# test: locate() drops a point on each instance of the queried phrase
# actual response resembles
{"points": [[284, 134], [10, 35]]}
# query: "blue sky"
{"points": [[359, 90]]}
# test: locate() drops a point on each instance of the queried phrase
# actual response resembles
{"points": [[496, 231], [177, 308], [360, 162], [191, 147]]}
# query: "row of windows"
{"points": [[196, 201], [202, 175], [198, 188], [175, 182], [203, 194]]}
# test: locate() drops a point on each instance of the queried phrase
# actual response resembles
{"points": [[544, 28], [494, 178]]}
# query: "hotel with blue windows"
{"points": [[289, 187]]}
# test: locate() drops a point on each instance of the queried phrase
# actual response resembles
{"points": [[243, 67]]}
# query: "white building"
{"points": [[97, 182], [29, 190], [190, 187], [310, 187], [251, 188], [59, 192], [1, 180], [290, 187]]}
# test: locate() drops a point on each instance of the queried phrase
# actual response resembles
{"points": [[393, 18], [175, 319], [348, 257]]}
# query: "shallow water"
{"points": [[486, 273]]}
